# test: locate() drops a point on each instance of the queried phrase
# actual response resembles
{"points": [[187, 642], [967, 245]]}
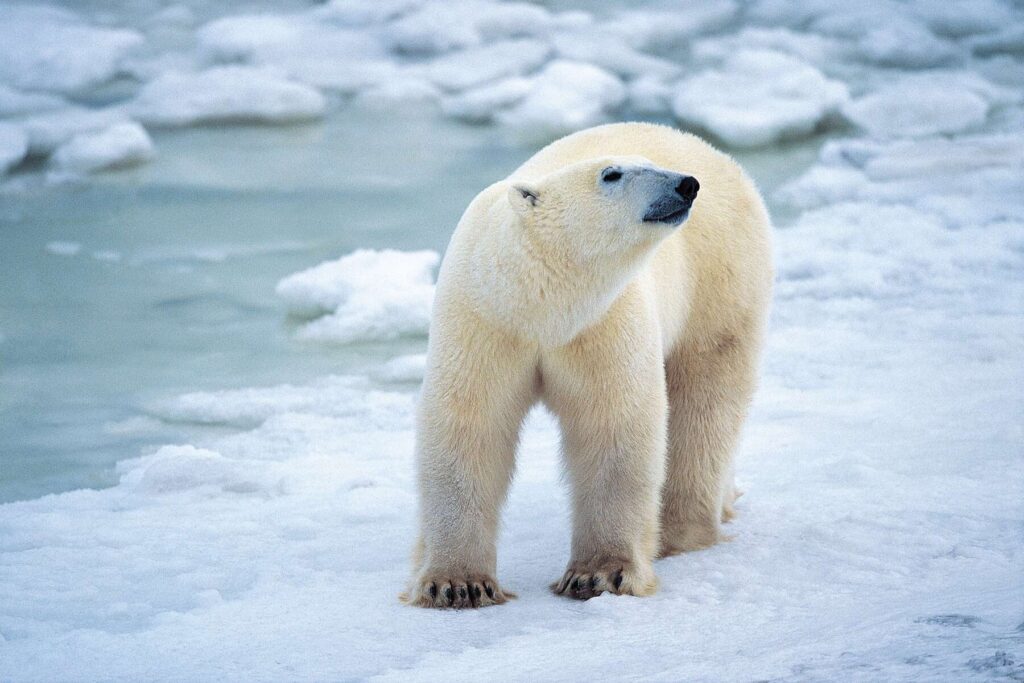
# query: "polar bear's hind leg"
{"points": [[709, 391]]}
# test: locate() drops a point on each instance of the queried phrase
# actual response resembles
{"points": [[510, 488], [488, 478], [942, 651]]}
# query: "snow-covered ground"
{"points": [[881, 536]]}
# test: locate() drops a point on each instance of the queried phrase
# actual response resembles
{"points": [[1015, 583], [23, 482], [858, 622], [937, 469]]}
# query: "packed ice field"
{"points": [[881, 536]]}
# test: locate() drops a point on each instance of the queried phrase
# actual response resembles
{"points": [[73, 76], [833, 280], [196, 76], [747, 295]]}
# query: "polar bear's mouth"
{"points": [[672, 213]]}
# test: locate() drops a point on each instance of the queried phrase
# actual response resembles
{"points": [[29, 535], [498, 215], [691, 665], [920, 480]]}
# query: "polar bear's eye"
{"points": [[610, 175]]}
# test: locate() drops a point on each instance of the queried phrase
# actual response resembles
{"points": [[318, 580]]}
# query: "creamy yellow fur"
{"points": [[642, 339]]}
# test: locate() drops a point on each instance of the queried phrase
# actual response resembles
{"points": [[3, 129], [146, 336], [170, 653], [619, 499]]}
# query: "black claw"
{"points": [[476, 591], [489, 591], [575, 584], [617, 581], [448, 593], [433, 591], [462, 592]]}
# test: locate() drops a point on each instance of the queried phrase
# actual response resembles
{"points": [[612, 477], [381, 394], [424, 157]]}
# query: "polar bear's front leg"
{"points": [[608, 390], [477, 390]]}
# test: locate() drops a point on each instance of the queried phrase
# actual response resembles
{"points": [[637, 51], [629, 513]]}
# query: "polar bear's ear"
{"points": [[522, 197]]}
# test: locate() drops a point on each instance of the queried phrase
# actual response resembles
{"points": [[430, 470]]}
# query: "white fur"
{"points": [[642, 338]]}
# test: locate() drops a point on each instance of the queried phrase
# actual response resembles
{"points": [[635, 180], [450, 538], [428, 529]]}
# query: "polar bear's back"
{"points": [[719, 261]]}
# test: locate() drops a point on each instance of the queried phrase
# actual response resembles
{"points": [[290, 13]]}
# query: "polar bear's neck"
{"points": [[539, 295]]}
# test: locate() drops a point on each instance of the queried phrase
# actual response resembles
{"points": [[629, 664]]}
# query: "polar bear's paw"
{"points": [[585, 580], [729, 504], [685, 538], [455, 591]]}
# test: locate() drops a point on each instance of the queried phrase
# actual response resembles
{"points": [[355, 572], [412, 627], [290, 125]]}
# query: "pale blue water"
{"points": [[203, 233]]}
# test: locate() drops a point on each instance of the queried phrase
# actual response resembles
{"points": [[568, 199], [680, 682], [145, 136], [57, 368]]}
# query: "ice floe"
{"points": [[16, 103], [435, 27], [51, 49], [564, 97], [667, 26], [49, 130], [1009, 40], [896, 110], [302, 46], [364, 296], [122, 144], [749, 73], [226, 93], [898, 41], [928, 103], [605, 49], [174, 469], [13, 146], [480, 65], [479, 105], [965, 180], [758, 97]]}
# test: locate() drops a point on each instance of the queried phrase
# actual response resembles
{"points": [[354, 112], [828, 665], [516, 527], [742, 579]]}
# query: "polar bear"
{"points": [[622, 276]]}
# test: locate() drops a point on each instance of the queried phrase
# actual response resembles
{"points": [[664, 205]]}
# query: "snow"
{"points": [[869, 540], [408, 368], [758, 97], [180, 468], [252, 406], [225, 93], [122, 144], [364, 296], [852, 260]]}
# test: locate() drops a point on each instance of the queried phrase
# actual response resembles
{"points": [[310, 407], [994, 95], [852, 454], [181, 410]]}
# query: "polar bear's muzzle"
{"points": [[675, 197]]}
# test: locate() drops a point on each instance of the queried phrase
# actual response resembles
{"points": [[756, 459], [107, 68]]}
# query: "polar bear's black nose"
{"points": [[687, 188]]}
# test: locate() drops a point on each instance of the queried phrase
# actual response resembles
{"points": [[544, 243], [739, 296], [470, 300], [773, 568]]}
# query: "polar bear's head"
{"points": [[603, 207], [550, 253]]}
